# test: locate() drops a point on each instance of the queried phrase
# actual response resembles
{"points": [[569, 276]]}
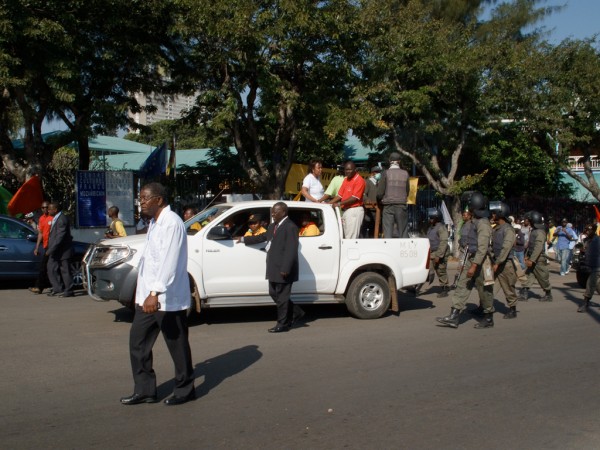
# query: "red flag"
{"points": [[28, 198], [597, 213]]}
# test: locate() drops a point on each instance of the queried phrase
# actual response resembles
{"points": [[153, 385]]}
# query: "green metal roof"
{"points": [[123, 154], [117, 145]]}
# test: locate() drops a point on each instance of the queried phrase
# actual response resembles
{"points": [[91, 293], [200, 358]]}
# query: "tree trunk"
{"points": [[456, 212], [84, 153]]}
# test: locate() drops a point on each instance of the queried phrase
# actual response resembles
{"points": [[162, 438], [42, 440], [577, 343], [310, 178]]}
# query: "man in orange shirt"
{"points": [[350, 199], [44, 224]]}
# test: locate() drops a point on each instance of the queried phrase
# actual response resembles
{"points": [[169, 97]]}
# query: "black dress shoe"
{"points": [[66, 294], [175, 400], [136, 399], [278, 329]]}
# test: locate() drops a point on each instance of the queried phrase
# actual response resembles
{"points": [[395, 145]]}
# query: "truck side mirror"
{"points": [[218, 233]]}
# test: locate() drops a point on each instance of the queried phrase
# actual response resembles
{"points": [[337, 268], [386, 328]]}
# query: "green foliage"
{"points": [[470, 103], [269, 74], [80, 62], [59, 179], [517, 166], [187, 135]]}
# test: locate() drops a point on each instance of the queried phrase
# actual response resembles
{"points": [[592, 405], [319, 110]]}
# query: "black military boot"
{"points": [[584, 306], [487, 322], [450, 320], [524, 294], [444, 292], [547, 297], [512, 313]]}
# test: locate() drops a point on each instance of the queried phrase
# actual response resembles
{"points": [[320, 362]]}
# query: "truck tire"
{"points": [[368, 296]]}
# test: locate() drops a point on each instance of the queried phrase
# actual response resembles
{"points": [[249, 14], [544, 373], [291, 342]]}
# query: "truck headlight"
{"points": [[108, 256]]}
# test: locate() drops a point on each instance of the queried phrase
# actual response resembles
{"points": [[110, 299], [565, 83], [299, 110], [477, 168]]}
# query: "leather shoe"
{"points": [[175, 400], [66, 294], [35, 290], [278, 329], [136, 399]]}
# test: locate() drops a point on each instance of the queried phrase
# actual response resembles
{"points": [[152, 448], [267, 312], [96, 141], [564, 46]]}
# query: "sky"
{"points": [[579, 19]]}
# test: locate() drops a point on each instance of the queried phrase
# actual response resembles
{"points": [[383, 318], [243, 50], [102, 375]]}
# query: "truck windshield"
{"points": [[207, 215]]}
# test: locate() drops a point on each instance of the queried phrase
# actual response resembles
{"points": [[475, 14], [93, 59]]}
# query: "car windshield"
{"points": [[207, 215]]}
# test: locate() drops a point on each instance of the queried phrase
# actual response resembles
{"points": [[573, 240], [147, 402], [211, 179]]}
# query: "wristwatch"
{"points": [[154, 293]]}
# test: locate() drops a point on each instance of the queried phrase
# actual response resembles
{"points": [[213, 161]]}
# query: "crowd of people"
{"points": [[54, 237], [496, 248], [357, 197]]}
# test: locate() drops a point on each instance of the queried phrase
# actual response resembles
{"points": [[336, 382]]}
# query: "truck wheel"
{"points": [[368, 296]]}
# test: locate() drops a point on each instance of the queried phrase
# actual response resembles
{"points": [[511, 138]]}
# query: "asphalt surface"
{"points": [[400, 382]]}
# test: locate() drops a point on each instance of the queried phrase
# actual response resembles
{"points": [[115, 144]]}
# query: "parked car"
{"points": [[365, 274], [17, 261]]}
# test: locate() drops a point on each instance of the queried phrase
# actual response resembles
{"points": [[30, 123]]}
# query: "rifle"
{"points": [[463, 262]]}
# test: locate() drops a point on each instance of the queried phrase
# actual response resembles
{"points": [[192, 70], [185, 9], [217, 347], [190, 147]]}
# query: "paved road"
{"points": [[397, 382]]}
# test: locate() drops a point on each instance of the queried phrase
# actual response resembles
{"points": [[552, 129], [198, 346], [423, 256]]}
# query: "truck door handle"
{"points": [[325, 247], [3, 247]]}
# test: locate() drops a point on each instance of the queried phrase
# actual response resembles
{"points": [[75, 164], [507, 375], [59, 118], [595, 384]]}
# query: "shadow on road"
{"points": [[216, 370], [577, 299], [265, 313], [123, 314]]}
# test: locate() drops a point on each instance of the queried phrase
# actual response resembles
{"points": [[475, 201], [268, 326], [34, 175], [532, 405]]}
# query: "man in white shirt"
{"points": [[162, 298]]}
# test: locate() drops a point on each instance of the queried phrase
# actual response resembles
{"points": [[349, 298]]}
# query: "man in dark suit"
{"points": [[282, 265], [60, 252]]}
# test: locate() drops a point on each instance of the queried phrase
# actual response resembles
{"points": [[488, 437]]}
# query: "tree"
{"points": [[31, 75], [567, 120], [432, 84], [81, 62], [269, 73], [188, 135]]}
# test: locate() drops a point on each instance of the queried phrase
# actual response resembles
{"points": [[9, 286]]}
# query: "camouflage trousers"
{"points": [[465, 285], [441, 270], [540, 273], [506, 277]]}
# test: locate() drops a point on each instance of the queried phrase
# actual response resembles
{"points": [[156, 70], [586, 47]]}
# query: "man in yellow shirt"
{"points": [[255, 228], [187, 215], [116, 228], [309, 228]]}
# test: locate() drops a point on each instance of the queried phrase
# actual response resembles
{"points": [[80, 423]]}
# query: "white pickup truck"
{"points": [[365, 274]]}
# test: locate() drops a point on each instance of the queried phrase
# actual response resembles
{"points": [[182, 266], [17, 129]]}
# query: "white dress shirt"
{"points": [[163, 264]]}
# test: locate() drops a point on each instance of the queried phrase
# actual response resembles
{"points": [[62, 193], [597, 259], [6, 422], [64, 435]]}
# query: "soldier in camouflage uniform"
{"points": [[478, 241], [536, 261], [503, 241], [438, 241]]}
